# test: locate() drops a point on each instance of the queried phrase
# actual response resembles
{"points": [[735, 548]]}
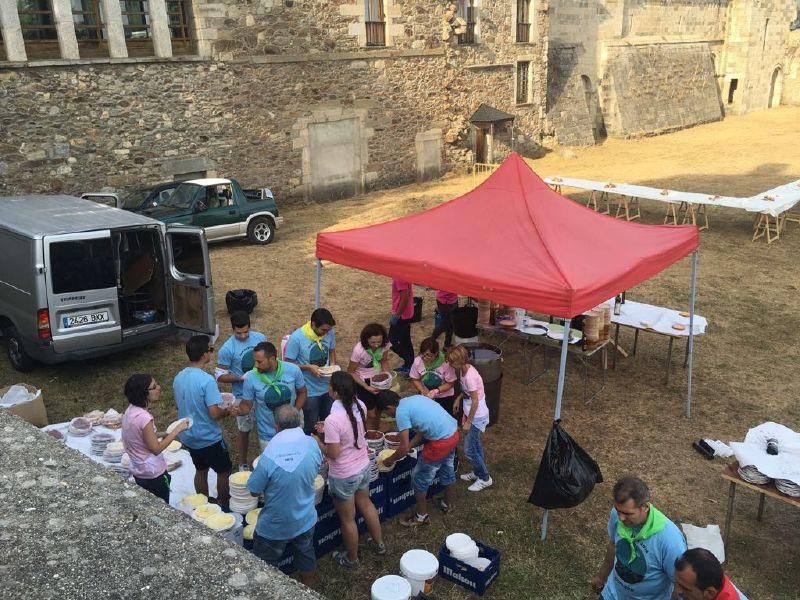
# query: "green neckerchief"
{"points": [[656, 521], [376, 355], [435, 363], [268, 381], [309, 332]]}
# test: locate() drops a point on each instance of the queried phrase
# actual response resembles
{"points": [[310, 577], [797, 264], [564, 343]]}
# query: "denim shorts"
{"points": [[425, 472], [346, 487], [271, 551]]}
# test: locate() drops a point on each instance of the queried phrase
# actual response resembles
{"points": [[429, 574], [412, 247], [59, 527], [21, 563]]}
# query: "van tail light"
{"points": [[43, 324]]}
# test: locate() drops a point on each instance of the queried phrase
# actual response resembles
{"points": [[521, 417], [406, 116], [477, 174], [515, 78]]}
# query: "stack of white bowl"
{"points": [[99, 442], [462, 547], [383, 383], [80, 427], [376, 443], [319, 488], [374, 472], [391, 440], [242, 501]]}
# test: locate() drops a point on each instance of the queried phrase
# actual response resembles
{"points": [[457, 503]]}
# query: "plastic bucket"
{"points": [[487, 359], [391, 587], [420, 567]]}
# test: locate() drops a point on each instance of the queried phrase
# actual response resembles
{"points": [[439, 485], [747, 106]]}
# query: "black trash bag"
{"points": [[567, 474], [417, 317], [465, 321], [245, 300]]}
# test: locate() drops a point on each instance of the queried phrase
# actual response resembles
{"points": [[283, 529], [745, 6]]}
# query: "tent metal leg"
{"points": [[317, 290], [559, 395], [691, 335]]}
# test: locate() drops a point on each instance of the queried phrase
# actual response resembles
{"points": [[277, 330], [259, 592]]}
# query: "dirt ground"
{"points": [[745, 367]]}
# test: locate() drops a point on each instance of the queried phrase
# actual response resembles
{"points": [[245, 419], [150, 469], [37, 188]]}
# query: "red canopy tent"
{"points": [[516, 241]]}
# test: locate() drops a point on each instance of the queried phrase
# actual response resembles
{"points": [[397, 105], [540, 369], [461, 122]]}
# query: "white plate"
{"points": [[174, 424], [329, 370], [534, 330]]}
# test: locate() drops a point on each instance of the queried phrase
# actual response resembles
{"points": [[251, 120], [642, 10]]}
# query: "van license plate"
{"points": [[86, 319]]}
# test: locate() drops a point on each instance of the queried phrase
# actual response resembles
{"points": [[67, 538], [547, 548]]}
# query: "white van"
{"points": [[80, 279]]}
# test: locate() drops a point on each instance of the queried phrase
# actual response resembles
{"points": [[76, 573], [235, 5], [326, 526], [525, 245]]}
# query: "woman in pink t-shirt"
{"points": [[144, 449], [349, 469], [370, 356], [475, 416], [432, 375]]}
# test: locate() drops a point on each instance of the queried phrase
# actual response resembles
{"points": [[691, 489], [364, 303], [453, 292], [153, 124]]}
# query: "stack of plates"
{"points": [[319, 488], [125, 461], [242, 501], [788, 487], [174, 424], [374, 472], [112, 419], [375, 440], [80, 427], [204, 511], [99, 443], [56, 435], [752, 475], [95, 416], [462, 547]]}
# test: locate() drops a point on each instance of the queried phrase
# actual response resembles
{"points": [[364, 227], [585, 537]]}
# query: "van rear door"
{"points": [[189, 278], [82, 296]]}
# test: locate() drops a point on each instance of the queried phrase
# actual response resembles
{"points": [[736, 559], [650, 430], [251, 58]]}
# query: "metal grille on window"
{"points": [[136, 23], [375, 21], [87, 17], [178, 15], [38, 29], [523, 20], [523, 72], [467, 10]]}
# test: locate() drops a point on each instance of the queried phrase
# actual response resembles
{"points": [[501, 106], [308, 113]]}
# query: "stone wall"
{"points": [[278, 76], [791, 81], [72, 529], [653, 89]]}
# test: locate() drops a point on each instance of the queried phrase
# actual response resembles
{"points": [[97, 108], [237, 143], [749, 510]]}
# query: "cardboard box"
{"points": [[33, 411]]}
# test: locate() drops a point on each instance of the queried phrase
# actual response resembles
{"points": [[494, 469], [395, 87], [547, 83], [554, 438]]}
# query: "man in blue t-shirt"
{"points": [[234, 359], [310, 347], [197, 398], [286, 475], [272, 383], [437, 432], [643, 546]]}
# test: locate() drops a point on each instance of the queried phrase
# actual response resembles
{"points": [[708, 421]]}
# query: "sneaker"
{"points": [[243, 468], [443, 505], [480, 484], [379, 549], [469, 477], [416, 520], [340, 557]]}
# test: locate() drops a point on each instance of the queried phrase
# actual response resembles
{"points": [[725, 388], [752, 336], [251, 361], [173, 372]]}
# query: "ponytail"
{"points": [[345, 387]]}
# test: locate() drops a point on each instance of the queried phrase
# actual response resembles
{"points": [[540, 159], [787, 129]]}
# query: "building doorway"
{"points": [[775, 88]]}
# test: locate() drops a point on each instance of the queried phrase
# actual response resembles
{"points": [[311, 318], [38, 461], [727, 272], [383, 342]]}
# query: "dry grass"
{"points": [[745, 369]]}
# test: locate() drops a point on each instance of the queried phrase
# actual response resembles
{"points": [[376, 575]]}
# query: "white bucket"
{"points": [[391, 587], [457, 341], [420, 567]]}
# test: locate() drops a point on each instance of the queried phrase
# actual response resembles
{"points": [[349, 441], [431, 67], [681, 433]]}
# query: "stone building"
{"points": [[314, 98], [641, 67], [321, 99]]}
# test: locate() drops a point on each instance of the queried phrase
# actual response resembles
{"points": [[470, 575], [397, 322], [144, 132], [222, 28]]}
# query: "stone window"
{"points": [[734, 84], [88, 22], [468, 11], [179, 15], [375, 22], [38, 28], [523, 82], [523, 21], [136, 23]]}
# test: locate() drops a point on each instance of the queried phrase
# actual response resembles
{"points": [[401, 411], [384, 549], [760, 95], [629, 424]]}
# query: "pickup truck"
{"points": [[136, 199], [222, 208]]}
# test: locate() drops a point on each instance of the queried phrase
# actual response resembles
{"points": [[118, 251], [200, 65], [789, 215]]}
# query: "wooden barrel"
{"points": [[484, 312]]}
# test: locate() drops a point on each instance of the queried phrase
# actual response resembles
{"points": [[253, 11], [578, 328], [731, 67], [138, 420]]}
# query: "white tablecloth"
{"points": [[657, 318], [783, 197], [182, 478]]}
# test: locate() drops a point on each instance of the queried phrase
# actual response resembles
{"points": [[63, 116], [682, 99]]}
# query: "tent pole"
{"points": [[317, 298], [562, 367], [691, 334]]}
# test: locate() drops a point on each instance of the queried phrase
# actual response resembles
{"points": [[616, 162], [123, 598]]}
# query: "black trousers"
{"points": [[444, 322], [400, 337]]}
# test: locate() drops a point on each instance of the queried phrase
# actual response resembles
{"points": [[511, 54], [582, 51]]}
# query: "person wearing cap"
{"points": [[642, 548], [699, 576], [310, 347], [270, 384], [234, 359], [437, 433]]}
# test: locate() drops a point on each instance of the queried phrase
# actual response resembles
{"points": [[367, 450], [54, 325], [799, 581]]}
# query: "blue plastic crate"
{"points": [[469, 577]]}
